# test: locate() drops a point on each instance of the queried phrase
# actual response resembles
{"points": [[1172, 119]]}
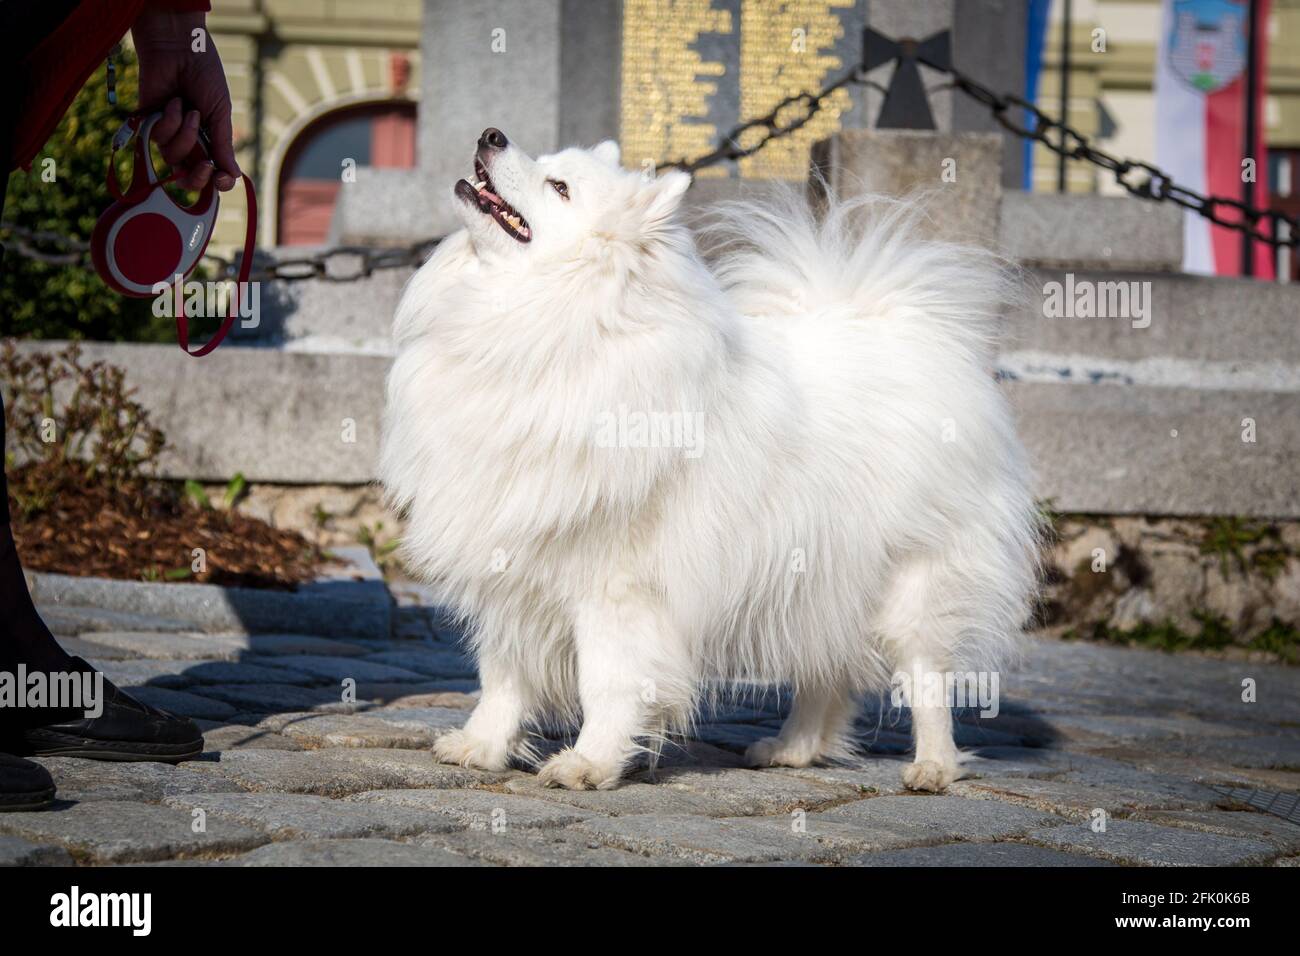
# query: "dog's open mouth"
{"points": [[484, 195]]}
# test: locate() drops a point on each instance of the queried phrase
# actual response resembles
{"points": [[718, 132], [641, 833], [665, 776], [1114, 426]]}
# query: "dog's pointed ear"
{"points": [[666, 192], [607, 152]]}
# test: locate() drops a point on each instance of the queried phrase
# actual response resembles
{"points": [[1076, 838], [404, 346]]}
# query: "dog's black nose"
{"points": [[493, 138]]}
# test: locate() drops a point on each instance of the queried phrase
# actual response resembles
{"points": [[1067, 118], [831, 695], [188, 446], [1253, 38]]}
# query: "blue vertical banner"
{"points": [[1035, 42]]}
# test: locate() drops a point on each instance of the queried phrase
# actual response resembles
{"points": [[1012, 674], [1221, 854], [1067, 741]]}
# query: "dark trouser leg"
{"points": [[23, 635]]}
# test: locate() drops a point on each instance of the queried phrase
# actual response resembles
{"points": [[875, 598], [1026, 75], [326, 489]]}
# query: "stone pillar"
{"points": [[545, 72], [962, 170], [487, 63], [988, 44]]}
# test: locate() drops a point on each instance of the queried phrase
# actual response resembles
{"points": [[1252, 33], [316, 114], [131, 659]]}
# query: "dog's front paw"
{"points": [[572, 771], [459, 747], [930, 775], [775, 752]]}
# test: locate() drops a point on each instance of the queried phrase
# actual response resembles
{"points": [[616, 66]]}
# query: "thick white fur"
{"points": [[859, 504]]}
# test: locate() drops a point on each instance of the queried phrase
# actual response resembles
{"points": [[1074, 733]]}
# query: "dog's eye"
{"points": [[560, 187]]}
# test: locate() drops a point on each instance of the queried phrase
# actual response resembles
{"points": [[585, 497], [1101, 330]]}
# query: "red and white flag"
{"points": [[1200, 102]]}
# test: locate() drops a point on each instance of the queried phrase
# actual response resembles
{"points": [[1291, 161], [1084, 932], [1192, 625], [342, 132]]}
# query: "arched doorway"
{"points": [[374, 134]]}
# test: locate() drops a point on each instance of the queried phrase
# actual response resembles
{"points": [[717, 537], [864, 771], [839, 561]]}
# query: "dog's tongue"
{"points": [[488, 194]]}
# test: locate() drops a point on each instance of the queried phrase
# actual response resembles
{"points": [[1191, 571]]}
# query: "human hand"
{"points": [[174, 76]]}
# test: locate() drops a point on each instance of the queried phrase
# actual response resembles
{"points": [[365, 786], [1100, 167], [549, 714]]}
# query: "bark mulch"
{"points": [[89, 531]]}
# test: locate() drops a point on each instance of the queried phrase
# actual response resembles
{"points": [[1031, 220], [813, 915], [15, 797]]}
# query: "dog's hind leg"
{"points": [[635, 678], [919, 625], [937, 761], [818, 727]]}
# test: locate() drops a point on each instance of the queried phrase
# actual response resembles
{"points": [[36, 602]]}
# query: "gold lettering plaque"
{"points": [[677, 100]]}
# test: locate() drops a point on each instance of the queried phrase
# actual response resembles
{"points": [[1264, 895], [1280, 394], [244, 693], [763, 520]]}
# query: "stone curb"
{"points": [[348, 602]]}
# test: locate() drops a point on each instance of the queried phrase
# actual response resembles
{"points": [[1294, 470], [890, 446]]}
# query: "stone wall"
{"points": [[1205, 583]]}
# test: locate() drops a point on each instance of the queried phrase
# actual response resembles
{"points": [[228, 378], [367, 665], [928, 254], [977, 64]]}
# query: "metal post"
{"points": [[1252, 123], [1283, 253], [1067, 30]]}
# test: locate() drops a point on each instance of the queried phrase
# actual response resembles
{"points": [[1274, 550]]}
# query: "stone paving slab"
{"points": [[340, 772], [81, 780], [183, 703], [876, 776], [939, 815], [541, 847], [710, 840], [430, 661], [357, 669], [348, 853], [120, 831], [68, 620], [975, 854], [712, 792], [390, 692], [15, 851], [233, 737], [398, 729], [456, 700], [264, 698], [478, 809], [171, 646], [1079, 800], [288, 816], [1245, 823], [1148, 844]]}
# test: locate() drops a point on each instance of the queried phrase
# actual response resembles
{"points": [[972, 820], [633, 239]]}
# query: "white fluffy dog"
{"points": [[635, 477]]}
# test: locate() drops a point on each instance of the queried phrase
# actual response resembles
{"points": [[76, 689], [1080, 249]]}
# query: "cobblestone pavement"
{"points": [[293, 775]]}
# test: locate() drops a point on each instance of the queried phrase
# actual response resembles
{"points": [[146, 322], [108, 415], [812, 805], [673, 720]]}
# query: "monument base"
{"points": [[961, 172]]}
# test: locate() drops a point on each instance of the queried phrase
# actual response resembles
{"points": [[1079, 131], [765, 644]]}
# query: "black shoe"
{"points": [[125, 730], [24, 785]]}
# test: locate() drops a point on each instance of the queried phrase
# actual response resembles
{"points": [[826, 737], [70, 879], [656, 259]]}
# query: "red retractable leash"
{"points": [[145, 237]]}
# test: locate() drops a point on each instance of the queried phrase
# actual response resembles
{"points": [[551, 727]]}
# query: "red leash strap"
{"points": [[245, 266]]}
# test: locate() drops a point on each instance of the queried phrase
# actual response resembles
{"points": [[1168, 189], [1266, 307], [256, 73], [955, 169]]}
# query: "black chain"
{"points": [[337, 264], [774, 125], [1136, 177]]}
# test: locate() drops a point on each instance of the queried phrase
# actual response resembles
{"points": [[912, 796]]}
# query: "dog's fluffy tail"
{"points": [[867, 258]]}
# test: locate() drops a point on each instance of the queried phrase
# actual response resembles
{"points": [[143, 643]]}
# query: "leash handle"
{"points": [[140, 126]]}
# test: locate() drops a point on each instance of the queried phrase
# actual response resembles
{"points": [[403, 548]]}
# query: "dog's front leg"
{"points": [[495, 727], [634, 678]]}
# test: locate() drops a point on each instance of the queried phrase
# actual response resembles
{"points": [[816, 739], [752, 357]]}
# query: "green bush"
{"points": [[46, 301]]}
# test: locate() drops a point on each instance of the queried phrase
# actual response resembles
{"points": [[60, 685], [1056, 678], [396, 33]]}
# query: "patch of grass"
{"points": [[1050, 520], [1280, 638], [380, 553], [1229, 538], [1214, 633], [320, 516]]}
